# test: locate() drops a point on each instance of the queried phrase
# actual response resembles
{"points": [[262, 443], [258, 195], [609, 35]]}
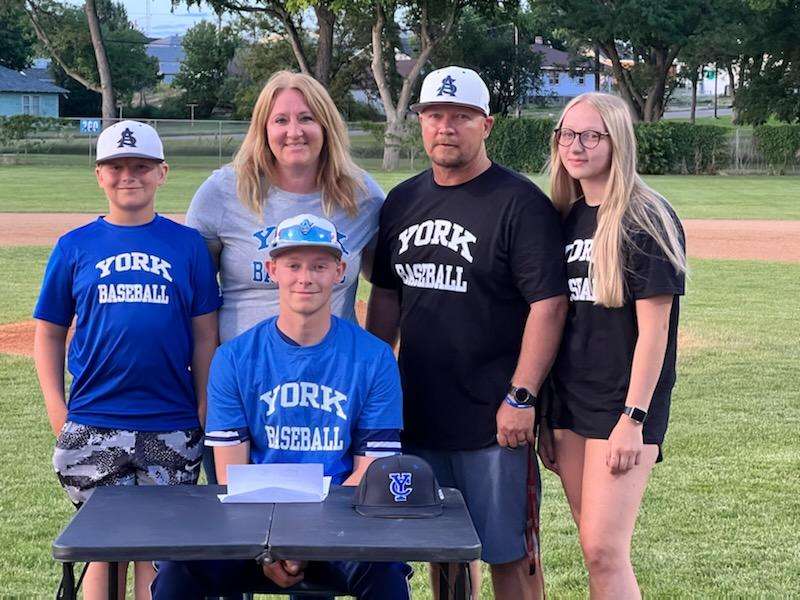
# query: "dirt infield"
{"points": [[777, 241], [749, 240], [17, 338], [721, 239], [43, 229]]}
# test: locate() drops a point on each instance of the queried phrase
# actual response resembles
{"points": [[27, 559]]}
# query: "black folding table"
{"points": [[120, 524]]}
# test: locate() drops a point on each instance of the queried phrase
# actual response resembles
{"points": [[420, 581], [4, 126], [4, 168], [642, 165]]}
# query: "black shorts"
{"points": [[596, 421]]}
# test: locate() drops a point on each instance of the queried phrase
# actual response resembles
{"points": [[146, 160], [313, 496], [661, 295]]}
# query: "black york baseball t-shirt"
{"points": [[467, 261], [593, 368]]}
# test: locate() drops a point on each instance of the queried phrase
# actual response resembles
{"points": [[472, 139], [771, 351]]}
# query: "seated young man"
{"points": [[302, 387]]}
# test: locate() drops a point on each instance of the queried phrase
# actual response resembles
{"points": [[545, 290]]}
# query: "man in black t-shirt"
{"points": [[469, 271]]}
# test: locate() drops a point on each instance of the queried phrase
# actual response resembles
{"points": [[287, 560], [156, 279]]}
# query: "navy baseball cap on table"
{"points": [[401, 486]]}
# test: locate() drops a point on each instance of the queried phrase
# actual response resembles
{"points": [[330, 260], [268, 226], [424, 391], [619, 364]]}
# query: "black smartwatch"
{"points": [[637, 414], [521, 397]]}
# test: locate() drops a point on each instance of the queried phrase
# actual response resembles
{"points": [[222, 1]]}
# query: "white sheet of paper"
{"points": [[276, 483]]}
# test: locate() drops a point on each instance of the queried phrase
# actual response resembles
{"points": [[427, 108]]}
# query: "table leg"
{"points": [[444, 588], [67, 591], [459, 587], [462, 583], [113, 581]]}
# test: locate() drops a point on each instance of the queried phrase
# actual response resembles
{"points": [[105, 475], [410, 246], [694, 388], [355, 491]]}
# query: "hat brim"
{"points": [[420, 106], [129, 155], [397, 512], [278, 250]]}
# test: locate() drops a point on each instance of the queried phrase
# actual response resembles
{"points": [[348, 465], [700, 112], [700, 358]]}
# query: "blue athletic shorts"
{"points": [[493, 482]]}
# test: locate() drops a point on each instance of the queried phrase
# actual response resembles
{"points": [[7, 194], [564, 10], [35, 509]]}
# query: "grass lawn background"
{"points": [[718, 519], [60, 188]]}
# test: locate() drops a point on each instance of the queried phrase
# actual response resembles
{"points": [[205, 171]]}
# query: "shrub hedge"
{"points": [[678, 147], [521, 144], [664, 147], [780, 145]]}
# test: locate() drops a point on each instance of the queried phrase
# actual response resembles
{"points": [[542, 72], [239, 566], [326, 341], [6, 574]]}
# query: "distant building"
{"points": [[27, 94], [370, 98], [169, 53], [705, 84], [565, 75]]}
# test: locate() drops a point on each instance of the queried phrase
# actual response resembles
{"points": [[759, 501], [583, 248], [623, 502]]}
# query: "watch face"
{"points": [[635, 413], [521, 395]]}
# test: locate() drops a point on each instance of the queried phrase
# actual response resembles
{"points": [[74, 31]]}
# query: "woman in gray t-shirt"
{"points": [[294, 159]]}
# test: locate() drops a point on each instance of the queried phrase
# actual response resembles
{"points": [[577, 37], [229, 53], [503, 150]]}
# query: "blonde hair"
{"points": [[337, 175], [629, 204]]}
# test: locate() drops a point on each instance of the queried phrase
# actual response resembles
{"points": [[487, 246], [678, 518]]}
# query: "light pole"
{"points": [[715, 91]]}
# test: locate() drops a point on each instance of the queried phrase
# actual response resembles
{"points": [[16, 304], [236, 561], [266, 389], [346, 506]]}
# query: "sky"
{"points": [[163, 21]]}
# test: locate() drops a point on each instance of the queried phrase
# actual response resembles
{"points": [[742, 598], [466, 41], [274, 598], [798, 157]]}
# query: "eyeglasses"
{"points": [[589, 139]]}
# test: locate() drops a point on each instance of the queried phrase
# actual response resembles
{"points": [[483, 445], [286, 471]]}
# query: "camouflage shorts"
{"points": [[87, 457]]}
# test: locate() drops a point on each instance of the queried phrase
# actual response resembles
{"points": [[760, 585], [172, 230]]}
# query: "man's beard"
{"points": [[449, 160]]}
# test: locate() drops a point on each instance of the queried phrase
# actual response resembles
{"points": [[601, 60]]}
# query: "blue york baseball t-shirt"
{"points": [[306, 404], [133, 291]]}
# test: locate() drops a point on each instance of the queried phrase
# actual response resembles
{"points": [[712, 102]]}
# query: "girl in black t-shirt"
{"points": [[615, 369]]}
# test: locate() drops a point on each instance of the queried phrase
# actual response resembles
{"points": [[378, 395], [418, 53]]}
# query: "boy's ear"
{"points": [[164, 171], [270, 264]]}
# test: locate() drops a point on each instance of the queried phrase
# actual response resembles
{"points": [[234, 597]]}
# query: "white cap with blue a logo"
{"points": [[305, 231], [453, 85], [129, 139]]}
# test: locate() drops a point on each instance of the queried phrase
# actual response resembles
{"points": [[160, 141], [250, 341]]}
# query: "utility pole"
{"points": [[715, 91], [147, 17], [517, 99], [596, 67]]}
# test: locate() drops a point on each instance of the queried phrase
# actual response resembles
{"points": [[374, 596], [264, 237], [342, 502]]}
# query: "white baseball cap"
{"points": [[453, 85], [129, 139], [305, 230]]}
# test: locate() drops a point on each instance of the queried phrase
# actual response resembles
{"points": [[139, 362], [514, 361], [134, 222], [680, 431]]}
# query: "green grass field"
{"points": [[720, 515], [59, 188]]}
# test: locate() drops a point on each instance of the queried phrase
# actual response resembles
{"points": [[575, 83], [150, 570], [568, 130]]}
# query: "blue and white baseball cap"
{"points": [[453, 85], [129, 139], [305, 231]]}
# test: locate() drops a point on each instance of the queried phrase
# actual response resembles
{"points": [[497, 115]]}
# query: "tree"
{"points": [[431, 21], [256, 63], [769, 69], [66, 35], [652, 32], [289, 15], [16, 38], [204, 71], [100, 79], [498, 45], [103, 68]]}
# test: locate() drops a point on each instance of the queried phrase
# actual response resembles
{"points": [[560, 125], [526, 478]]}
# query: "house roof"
{"points": [[14, 81], [42, 74], [556, 59], [167, 50]]}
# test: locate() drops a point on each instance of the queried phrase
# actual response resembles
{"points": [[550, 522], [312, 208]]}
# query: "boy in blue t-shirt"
{"points": [[144, 297], [302, 387]]}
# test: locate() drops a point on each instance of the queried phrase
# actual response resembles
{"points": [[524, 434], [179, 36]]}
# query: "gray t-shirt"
{"points": [[237, 240]]}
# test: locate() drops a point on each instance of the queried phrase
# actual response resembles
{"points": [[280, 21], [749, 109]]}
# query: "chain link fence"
{"points": [[71, 141]]}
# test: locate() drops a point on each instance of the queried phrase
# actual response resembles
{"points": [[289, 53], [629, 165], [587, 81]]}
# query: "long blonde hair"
{"points": [[629, 204], [337, 175]]}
